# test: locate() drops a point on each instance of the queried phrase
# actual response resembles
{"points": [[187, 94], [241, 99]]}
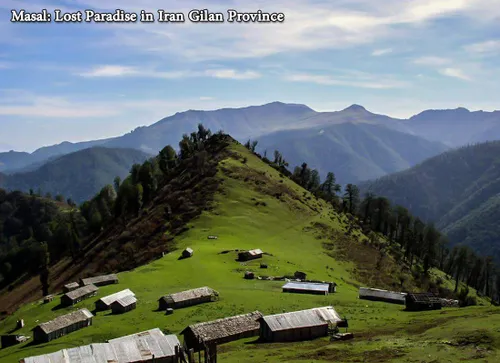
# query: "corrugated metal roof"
{"points": [[132, 348], [226, 327], [82, 291], [72, 285], [302, 318], [98, 279], [382, 294], [306, 286], [108, 300], [255, 252], [65, 320], [126, 301], [190, 294], [424, 297]]}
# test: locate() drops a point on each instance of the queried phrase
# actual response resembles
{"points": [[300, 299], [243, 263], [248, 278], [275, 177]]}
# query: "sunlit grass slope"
{"points": [[258, 208]]}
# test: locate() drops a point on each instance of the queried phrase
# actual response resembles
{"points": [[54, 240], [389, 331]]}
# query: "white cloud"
{"points": [[232, 74], [308, 25], [455, 73], [206, 98], [126, 71], [354, 79], [431, 61], [486, 47], [380, 52]]}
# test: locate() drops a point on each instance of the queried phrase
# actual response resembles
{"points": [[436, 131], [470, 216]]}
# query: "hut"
{"points": [[299, 275], [100, 280], [48, 298], [209, 334], [299, 325], [187, 298], [188, 252], [124, 304], [422, 301], [306, 288], [145, 347], [75, 296], [104, 303], [382, 295], [249, 275], [212, 237], [20, 324], [12, 339], [62, 325], [250, 255], [70, 287]]}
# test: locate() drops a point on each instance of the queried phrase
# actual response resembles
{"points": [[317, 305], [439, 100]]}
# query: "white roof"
{"points": [[108, 300], [138, 347], [302, 319]]}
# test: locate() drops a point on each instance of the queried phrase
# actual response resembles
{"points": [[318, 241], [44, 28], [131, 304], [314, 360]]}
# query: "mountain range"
{"points": [[78, 175], [459, 190]]}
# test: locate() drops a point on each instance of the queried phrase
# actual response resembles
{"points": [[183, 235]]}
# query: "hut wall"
{"points": [[100, 305], [245, 256], [191, 341], [422, 306], [293, 335], [299, 291], [9, 340], [119, 309]]}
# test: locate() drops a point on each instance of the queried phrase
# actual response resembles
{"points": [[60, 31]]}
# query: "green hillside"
{"points": [[256, 207], [356, 151], [459, 190], [78, 175]]}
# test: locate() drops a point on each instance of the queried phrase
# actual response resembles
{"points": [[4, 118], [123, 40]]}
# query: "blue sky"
{"points": [[85, 81]]}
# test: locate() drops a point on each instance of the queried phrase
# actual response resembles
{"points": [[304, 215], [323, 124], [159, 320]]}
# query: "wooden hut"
{"points": [[187, 298], [188, 252], [70, 287], [249, 275], [75, 296], [124, 304], [104, 303], [211, 333], [48, 298], [299, 275], [422, 301], [62, 325], [250, 255], [145, 347], [9, 340], [382, 295], [100, 280], [306, 288], [299, 325]]}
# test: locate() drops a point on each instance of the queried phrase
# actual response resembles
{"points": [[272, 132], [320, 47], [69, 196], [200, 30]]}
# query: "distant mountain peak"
{"points": [[356, 108]]}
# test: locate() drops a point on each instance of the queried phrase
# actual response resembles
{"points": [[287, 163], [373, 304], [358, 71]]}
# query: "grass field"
{"points": [[247, 215]]}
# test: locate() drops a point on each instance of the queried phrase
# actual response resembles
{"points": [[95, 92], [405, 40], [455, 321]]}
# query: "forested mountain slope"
{"points": [[78, 175], [459, 190], [356, 151]]}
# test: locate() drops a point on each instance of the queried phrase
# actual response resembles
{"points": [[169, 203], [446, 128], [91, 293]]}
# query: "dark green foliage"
{"points": [[34, 232], [78, 175], [458, 190]]}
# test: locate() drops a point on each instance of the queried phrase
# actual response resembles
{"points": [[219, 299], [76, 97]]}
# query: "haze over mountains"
{"points": [[459, 190], [354, 143]]}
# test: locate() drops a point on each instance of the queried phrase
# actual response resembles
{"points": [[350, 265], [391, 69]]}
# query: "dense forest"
{"points": [[36, 232]]}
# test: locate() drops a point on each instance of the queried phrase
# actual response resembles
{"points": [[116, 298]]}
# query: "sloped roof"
{"points": [[108, 300], [98, 279], [125, 301], [65, 320], [226, 327], [382, 294], [190, 294], [424, 297], [306, 286], [72, 285], [257, 251], [81, 291], [302, 319], [189, 250], [138, 347]]}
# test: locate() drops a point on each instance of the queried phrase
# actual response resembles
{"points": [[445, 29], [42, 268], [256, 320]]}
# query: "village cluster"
{"points": [[202, 338]]}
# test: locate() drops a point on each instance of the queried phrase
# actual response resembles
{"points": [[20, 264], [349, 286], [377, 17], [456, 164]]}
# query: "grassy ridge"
{"points": [[248, 214]]}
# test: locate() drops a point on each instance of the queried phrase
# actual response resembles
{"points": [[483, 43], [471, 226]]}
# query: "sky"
{"points": [[83, 81]]}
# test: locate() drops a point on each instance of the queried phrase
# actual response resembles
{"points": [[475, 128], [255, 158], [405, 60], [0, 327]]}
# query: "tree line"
{"points": [[421, 245]]}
